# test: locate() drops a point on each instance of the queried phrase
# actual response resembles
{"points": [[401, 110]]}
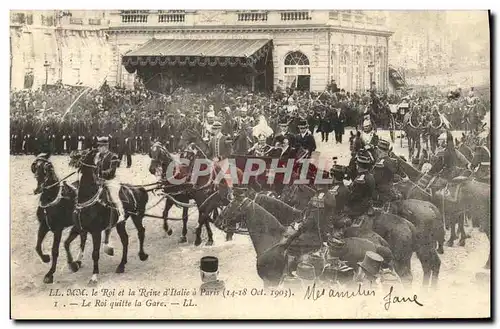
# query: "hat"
{"points": [[367, 123], [305, 271], [209, 264], [302, 124], [443, 136], [103, 140], [211, 114], [372, 263], [283, 123], [337, 170], [243, 109], [384, 145], [217, 125]]}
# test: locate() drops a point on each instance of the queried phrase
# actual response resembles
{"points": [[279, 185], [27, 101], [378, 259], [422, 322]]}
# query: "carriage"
{"points": [[398, 112]]}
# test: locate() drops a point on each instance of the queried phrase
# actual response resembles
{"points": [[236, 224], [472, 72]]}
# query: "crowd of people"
{"points": [[63, 118]]}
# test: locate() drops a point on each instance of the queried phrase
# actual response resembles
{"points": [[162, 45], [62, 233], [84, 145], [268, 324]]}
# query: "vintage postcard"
{"points": [[250, 164]]}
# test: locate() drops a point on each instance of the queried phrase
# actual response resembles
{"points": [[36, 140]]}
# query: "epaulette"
{"points": [[334, 190], [360, 179], [380, 164]]}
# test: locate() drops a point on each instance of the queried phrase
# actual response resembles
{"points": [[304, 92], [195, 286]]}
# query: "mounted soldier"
{"points": [[369, 135], [384, 172], [445, 160], [337, 198], [106, 163], [480, 163], [362, 192]]}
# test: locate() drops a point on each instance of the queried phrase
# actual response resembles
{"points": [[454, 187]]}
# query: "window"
{"points": [[296, 69], [358, 71], [344, 71], [368, 75], [334, 63]]}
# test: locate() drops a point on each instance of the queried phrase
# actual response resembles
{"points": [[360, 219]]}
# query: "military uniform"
{"points": [[383, 172], [362, 191], [339, 195], [106, 163]]}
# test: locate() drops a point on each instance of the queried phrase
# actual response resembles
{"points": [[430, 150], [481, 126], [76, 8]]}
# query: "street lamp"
{"points": [[371, 68], [46, 65]]}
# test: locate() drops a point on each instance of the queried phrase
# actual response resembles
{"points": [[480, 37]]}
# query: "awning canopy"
{"points": [[233, 52]]}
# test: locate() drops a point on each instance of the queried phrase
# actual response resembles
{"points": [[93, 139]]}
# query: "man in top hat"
{"points": [[283, 133], [305, 139], [369, 270], [107, 163], [383, 172], [209, 271], [219, 151], [362, 191], [338, 119]]}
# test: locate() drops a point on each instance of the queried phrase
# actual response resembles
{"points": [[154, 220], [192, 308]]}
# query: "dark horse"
{"points": [[94, 212], [203, 191], [54, 213], [269, 237], [473, 197], [412, 125]]}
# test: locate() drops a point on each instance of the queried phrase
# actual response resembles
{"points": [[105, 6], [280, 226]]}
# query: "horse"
{"points": [[54, 213], [312, 239], [412, 126], [435, 127], [269, 238], [161, 159], [203, 191], [272, 241], [94, 212], [473, 198]]}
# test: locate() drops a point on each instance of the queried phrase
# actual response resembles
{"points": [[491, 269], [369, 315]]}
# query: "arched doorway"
{"points": [[297, 71]]}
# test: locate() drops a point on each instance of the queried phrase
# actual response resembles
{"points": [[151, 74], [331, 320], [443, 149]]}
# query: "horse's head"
{"points": [[159, 159], [233, 216], [87, 165], [44, 172]]}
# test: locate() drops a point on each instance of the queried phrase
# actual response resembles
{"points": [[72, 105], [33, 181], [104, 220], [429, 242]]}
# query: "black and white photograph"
{"points": [[250, 164]]}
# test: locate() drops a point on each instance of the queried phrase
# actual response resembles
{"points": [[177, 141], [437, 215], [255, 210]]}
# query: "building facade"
{"points": [[314, 46]]}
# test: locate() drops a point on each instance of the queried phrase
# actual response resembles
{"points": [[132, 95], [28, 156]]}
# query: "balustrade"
{"points": [[295, 16]]}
